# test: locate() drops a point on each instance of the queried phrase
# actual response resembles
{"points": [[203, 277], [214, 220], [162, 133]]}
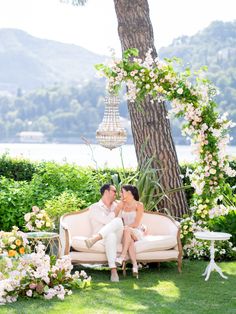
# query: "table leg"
{"points": [[212, 265]]}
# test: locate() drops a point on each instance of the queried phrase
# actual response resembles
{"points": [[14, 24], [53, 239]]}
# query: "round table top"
{"points": [[211, 235], [41, 235]]}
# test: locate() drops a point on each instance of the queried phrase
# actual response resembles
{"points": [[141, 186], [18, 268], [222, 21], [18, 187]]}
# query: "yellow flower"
{"points": [[22, 250], [11, 253], [18, 242]]}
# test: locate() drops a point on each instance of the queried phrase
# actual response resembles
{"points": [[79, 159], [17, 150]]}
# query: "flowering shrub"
{"points": [[38, 220], [40, 275], [191, 97], [197, 249], [13, 243]]}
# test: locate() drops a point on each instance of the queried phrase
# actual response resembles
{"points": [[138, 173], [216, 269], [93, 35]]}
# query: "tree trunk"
{"points": [[150, 125]]}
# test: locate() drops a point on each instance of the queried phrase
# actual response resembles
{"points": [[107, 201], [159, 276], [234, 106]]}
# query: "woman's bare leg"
{"points": [[126, 242], [132, 254]]}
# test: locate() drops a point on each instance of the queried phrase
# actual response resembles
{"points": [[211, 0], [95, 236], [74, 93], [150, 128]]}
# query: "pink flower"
{"points": [[33, 285]]}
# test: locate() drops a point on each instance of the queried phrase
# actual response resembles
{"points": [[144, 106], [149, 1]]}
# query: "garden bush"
{"points": [[14, 203], [17, 168], [66, 202], [226, 224]]}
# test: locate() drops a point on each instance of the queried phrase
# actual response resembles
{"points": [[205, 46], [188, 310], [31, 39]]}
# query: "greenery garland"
{"points": [[191, 97]]}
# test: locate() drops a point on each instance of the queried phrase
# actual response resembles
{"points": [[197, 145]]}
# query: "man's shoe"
{"points": [[114, 278], [90, 242]]}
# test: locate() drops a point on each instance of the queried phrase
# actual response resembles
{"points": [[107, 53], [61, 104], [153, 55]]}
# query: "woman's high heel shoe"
{"points": [[120, 261], [135, 272]]}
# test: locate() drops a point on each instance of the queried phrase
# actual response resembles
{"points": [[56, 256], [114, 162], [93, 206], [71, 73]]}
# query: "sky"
{"points": [[94, 26]]}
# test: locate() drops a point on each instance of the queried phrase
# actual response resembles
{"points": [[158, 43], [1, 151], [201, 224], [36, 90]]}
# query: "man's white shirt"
{"points": [[100, 215]]}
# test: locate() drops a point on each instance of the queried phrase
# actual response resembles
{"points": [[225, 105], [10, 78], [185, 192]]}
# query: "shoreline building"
{"points": [[31, 137]]}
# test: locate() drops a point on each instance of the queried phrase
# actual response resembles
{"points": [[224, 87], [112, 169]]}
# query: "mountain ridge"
{"points": [[29, 62]]}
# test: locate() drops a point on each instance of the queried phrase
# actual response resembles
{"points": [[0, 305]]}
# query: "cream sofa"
{"points": [[162, 243]]}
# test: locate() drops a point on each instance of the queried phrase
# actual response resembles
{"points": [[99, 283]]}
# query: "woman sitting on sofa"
{"points": [[131, 213]]}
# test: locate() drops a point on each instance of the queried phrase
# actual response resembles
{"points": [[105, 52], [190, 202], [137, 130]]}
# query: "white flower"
{"points": [[29, 293], [212, 171], [27, 217], [180, 91], [11, 239], [35, 209]]}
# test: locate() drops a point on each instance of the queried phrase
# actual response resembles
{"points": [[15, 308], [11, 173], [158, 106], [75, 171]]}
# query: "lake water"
{"points": [[84, 155]]}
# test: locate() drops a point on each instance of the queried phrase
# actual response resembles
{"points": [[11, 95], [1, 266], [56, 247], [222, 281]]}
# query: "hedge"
{"points": [[24, 184]]}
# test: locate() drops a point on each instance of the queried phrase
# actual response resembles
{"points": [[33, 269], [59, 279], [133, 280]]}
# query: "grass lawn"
{"points": [[163, 291]]}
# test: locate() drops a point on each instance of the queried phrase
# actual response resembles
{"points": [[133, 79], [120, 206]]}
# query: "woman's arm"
{"points": [[139, 216], [118, 208]]}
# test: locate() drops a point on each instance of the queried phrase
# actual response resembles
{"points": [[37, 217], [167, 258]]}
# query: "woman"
{"points": [[131, 212]]}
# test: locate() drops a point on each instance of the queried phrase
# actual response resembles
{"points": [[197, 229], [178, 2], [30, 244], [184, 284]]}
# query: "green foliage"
{"points": [[226, 224], [229, 188], [66, 202], [147, 180], [17, 169], [14, 203], [48, 182]]}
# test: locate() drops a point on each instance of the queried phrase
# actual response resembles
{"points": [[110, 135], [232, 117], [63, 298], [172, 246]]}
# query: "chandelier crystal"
{"points": [[110, 133]]}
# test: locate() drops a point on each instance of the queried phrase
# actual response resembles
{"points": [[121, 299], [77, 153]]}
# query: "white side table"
{"points": [[212, 236]]}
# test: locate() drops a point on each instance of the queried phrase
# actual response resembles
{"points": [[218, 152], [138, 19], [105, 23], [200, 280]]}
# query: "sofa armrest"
{"points": [[65, 238]]}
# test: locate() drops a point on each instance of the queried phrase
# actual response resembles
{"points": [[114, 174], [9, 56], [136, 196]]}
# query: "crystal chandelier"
{"points": [[110, 133]]}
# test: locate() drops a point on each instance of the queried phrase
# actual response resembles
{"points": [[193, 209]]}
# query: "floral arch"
{"points": [[191, 97]]}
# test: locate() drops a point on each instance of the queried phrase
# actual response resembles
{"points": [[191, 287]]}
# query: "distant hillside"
{"points": [[64, 112], [28, 62], [215, 46]]}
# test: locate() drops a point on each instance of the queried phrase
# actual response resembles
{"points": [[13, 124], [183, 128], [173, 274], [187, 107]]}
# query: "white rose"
{"points": [[27, 217], [212, 171], [12, 239], [180, 91], [29, 293]]}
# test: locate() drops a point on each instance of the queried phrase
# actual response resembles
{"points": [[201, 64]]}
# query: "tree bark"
{"points": [[150, 125]]}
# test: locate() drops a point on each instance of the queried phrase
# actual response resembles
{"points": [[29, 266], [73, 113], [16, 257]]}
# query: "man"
{"points": [[105, 226]]}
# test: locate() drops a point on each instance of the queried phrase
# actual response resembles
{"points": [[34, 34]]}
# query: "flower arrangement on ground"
{"points": [[40, 275], [14, 243], [38, 220], [191, 97]]}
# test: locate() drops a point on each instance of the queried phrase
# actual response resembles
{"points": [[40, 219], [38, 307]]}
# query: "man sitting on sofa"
{"points": [[105, 226]]}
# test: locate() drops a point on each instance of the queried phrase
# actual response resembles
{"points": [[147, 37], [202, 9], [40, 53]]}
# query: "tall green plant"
{"points": [[147, 181]]}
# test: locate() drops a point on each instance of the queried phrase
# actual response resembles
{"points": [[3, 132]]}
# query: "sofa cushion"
{"points": [[79, 245], [152, 243]]}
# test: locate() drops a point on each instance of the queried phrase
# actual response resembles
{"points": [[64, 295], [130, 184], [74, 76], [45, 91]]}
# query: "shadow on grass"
{"points": [[167, 291]]}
